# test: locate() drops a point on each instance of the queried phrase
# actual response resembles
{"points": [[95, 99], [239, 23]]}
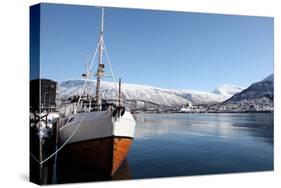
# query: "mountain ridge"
{"points": [[218, 95], [257, 90], [129, 91], [146, 92]]}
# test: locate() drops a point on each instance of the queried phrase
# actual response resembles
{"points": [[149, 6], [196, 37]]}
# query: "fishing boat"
{"points": [[97, 134]]}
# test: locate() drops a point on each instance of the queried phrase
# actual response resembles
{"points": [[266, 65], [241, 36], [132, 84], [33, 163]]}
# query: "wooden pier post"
{"points": [[41, 159]]}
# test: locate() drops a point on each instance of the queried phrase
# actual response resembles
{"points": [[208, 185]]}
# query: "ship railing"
{"points": [[67, 108]]}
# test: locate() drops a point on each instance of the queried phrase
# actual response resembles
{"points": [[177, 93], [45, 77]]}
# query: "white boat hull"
{"points": [[98, 124], [100, 142]]}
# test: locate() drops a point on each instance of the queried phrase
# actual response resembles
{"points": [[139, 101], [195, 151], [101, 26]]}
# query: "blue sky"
{"points": [[160, 48]]}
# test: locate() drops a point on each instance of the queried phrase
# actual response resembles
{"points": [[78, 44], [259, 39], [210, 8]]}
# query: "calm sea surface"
{"points": [[194, 144]]}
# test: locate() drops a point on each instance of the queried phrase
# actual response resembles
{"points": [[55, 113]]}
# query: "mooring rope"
{"points": [[53, 154]]}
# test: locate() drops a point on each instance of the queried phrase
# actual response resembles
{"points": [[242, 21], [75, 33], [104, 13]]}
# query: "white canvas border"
{"points": [[14, 92]]}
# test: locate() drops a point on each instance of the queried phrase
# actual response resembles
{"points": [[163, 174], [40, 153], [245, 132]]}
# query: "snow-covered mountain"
{"points": [[200, 97], [161, 96], [228, 90], [258, 90], [269, 78], [218, 95], [257, 97], [227, 98], [129, 91]]}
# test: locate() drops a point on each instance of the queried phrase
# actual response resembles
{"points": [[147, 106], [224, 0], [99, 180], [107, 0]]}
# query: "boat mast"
{"points": [[100, 70], [119, 100]]}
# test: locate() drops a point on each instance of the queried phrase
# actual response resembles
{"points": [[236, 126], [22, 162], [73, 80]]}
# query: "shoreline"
{"points": [[243, 112]]}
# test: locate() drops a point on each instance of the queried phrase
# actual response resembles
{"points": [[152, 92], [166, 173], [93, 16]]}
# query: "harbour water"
{"points": [[194, 144]]}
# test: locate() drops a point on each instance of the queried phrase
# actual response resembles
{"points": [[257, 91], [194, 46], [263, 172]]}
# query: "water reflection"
{"points": [[71, 174], [192, 144], [231, 125]]}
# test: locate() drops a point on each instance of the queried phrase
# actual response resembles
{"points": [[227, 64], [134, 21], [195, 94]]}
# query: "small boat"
{"points": [[97, 134]]}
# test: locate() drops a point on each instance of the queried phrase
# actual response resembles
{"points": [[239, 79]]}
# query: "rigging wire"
{"points": [[87, 73], [110, 68]]}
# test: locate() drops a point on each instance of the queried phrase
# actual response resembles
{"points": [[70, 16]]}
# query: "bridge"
{"points": [[141, 105], [134, 104]]}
